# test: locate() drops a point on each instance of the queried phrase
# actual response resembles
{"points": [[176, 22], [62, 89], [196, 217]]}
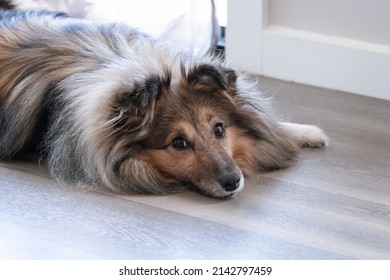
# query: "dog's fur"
{"points": [[109, 106]]}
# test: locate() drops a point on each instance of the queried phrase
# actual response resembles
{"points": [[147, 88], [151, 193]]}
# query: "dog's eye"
{"points": [[179, 143], [219, 130]]}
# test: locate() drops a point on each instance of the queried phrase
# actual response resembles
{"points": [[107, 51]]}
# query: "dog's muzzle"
{"points": [[230, 182]]}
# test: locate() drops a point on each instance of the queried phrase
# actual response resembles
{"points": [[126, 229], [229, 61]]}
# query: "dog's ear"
{"points": [[231, 77], [144, 94], [208, 78], [135, 108]]}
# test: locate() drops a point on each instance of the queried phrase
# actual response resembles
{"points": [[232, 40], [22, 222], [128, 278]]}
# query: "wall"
{"points": [[342, 45], [353, 19]]}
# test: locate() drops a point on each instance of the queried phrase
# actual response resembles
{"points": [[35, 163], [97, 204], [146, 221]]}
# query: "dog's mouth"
{"points": [[218, 194]]}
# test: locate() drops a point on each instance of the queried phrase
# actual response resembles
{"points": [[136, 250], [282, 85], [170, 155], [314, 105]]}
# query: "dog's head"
{"points": [[185, 132]]}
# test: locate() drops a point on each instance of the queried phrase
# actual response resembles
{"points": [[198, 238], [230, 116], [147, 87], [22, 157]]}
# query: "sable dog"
{"points": [[110, 107]]}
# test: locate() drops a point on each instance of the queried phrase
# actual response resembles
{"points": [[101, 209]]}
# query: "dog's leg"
{"points": [[307, 135]]}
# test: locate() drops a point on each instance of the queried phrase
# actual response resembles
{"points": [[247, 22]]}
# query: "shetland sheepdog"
{"points": [[110, 107]]}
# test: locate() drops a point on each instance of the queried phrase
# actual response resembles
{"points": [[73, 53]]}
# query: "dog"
{"points": [[110, 107]]}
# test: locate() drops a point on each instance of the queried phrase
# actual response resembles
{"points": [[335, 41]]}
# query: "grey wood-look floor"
{"points": [[332, 203]]}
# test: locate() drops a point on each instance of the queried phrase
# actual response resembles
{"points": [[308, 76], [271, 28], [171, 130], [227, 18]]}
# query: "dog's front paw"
{"points": [[307, 135], [314, 137]]}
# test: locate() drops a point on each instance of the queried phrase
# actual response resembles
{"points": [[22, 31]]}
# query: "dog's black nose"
{"points": [[230, 182]]}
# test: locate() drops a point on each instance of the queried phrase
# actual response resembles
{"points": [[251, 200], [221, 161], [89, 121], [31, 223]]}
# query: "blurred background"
{"points": [[341, 45]]}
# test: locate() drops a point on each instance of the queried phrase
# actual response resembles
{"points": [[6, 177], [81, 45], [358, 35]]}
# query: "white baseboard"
{"points": [[326, 61]]}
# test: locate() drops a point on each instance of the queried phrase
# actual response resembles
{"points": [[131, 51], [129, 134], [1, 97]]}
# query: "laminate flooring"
{"points": [[332, 203]]}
